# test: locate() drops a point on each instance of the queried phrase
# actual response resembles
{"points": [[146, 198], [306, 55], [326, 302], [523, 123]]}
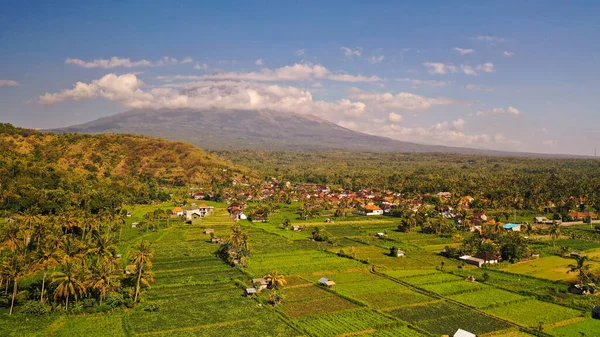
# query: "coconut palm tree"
{"points": [[70, 282], [103, 278], [47, 255], [554, 232], [581, 268], [72, 248], [275, 280], [10, 238], [103, 247], [140, 259], [238, 238], [13, 268]]}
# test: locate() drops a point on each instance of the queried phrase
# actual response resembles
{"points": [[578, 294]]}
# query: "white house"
{"points": [[190, 212], [373, 210]]}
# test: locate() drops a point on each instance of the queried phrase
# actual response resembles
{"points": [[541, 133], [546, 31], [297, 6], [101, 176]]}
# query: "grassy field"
{"points": [[196, 294]]}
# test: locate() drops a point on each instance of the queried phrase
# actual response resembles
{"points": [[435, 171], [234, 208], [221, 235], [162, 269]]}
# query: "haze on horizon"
{"points": [[495, 75]]}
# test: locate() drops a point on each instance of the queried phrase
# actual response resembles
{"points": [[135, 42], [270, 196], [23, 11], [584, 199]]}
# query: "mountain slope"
{"points": [[247, 129]]}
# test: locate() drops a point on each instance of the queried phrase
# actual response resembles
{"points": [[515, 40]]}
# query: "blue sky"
{"points": [[501, 75]]}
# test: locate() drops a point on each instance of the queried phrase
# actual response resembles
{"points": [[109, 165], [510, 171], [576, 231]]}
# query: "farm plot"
{"points": [[394, 299], [373, 290], [431, 279], [451, 288], [317, 306], [400, 274], [18, 326], [551, 267], [516, 283], [345, 322], [487, 297], [92, 325], [299, 262], [445, 318], [533, 312], [400, 331], [305, 293], [588, 327]]}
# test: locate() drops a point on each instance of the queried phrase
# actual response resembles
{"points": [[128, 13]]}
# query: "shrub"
{"points": [[36, 308], [115, 300], [129, 303]]}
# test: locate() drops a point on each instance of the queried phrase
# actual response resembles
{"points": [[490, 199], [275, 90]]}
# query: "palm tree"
{"points": [[275, 280], [238, 238], [140, 258], [581, 268], [70, 282], [47, 256], [104, 248], [11, 237], [72, 248], [103, 278], [554, 232], [14, 267]]}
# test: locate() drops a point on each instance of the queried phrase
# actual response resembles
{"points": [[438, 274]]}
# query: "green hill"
{"points": [[53, 171]]}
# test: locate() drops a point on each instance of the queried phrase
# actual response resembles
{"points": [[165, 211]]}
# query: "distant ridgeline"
{"points": [[50, 173]]}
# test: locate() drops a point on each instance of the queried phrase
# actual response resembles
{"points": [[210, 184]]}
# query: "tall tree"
{"points": [[47, 255], [581, 268], [70, 282], [140, 259], [14, 267], [554, 232]]}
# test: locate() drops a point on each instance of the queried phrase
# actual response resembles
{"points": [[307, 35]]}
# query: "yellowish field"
{"points": [[552, 267]]}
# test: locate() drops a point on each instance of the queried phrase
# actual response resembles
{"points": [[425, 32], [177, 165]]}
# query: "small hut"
{"points": [[326, 282], [260, 283]]}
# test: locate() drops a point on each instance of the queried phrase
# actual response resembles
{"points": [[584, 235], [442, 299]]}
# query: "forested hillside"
{"points": [[46, 173]]}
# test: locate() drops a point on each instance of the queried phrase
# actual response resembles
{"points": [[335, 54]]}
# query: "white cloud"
{"points": [[464, 51], [259, 62], [550, 143], [443, 133], [297, 72], [401, 101], [376, 59], [416, 82], [476, 87], [468, 70], [121, 88], [115, 62], [487, 67], [488, 38], [128, 91], [508, 53], [187, 60], [202, 66], [513, 111], [395, 118], [8, 83], [349, 52], [510, 110], [436, 68], [458, 124], [301, 52]]}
